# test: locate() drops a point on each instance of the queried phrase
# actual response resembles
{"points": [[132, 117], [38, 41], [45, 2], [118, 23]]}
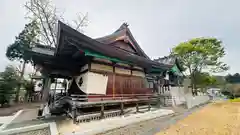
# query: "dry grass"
{"points": [[221, 118], [235, 100]]}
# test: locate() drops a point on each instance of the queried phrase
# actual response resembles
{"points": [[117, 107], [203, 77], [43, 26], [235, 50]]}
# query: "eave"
{"points": [[71, 41]]}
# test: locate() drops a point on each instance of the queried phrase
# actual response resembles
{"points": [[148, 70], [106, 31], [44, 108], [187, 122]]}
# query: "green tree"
{"points": [[8, 83], [20, 48], [233, 89], [204, 80], [235, 78], [29, 87], [200, 54]]}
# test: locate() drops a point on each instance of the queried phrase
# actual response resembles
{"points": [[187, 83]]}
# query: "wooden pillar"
{"points": [[164, 100], [149, 103], [74, 113], [161, 89], [137, 107], [131, 69], [131, 80], [159, 101], [55, 88], [102, 111], [168, 87], [114, 75], [122, 108], [46, 89]]}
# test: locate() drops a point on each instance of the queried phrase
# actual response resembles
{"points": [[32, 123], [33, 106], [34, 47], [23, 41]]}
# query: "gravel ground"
{"points": [[151, 127], [222, 118], [45, 131]]}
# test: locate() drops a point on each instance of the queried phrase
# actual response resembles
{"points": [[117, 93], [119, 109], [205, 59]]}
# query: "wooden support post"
{"points": [[159, 101], [137, 107], [164, 100], [114, 75], [102, 111], [46, 89], [149, 104], [74, 114], [122, 108]]}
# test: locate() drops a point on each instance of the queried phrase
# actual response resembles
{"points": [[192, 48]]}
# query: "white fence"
{"points": [[180, 95], [197, 100]]}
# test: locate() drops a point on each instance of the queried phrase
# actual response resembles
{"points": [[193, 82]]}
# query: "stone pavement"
{"points": [[153, 126], [104, 125], [4, 119], [27, 114], [148, 123], [16, 107]]}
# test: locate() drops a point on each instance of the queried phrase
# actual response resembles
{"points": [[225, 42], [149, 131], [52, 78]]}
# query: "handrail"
{"points": [[113, 95]]}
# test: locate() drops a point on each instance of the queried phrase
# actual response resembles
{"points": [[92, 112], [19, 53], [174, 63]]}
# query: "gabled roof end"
{"points": [[122, 27]]}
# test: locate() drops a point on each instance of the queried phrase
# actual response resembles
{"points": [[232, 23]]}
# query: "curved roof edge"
{"points": [[123, 32]]}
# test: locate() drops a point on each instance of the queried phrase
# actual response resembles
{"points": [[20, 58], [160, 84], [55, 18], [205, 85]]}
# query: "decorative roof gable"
{"points": [[123, 34], [171, 61]]}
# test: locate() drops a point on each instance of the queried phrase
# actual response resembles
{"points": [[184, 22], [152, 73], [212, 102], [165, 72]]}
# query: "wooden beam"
{"points": [[120, 66]]}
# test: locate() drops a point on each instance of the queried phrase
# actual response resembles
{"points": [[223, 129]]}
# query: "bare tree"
{"points": [[48, 15]]}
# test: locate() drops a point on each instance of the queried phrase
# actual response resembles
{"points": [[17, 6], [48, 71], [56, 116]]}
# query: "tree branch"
{"points": [[38, 15], [47, 21]]}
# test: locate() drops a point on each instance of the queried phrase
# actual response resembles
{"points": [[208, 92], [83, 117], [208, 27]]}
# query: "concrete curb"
{"points": [[14, 117], [52, 126], [128, 121]]}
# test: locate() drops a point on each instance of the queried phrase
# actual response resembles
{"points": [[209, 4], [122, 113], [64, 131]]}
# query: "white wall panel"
{"points": [[83, 87], [97, 83], [93, 83]]}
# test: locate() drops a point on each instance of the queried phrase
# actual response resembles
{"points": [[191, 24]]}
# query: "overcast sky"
{"points": [[157, 25]]}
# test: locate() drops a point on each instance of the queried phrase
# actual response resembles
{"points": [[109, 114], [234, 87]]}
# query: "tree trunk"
{"points": [[26, 96], [46, 89], [192, 84], [192, 80], [19, 85]]}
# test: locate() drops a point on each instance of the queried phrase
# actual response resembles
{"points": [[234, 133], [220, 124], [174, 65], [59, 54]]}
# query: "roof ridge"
{"points": [[124, 26], [124, 30]]}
